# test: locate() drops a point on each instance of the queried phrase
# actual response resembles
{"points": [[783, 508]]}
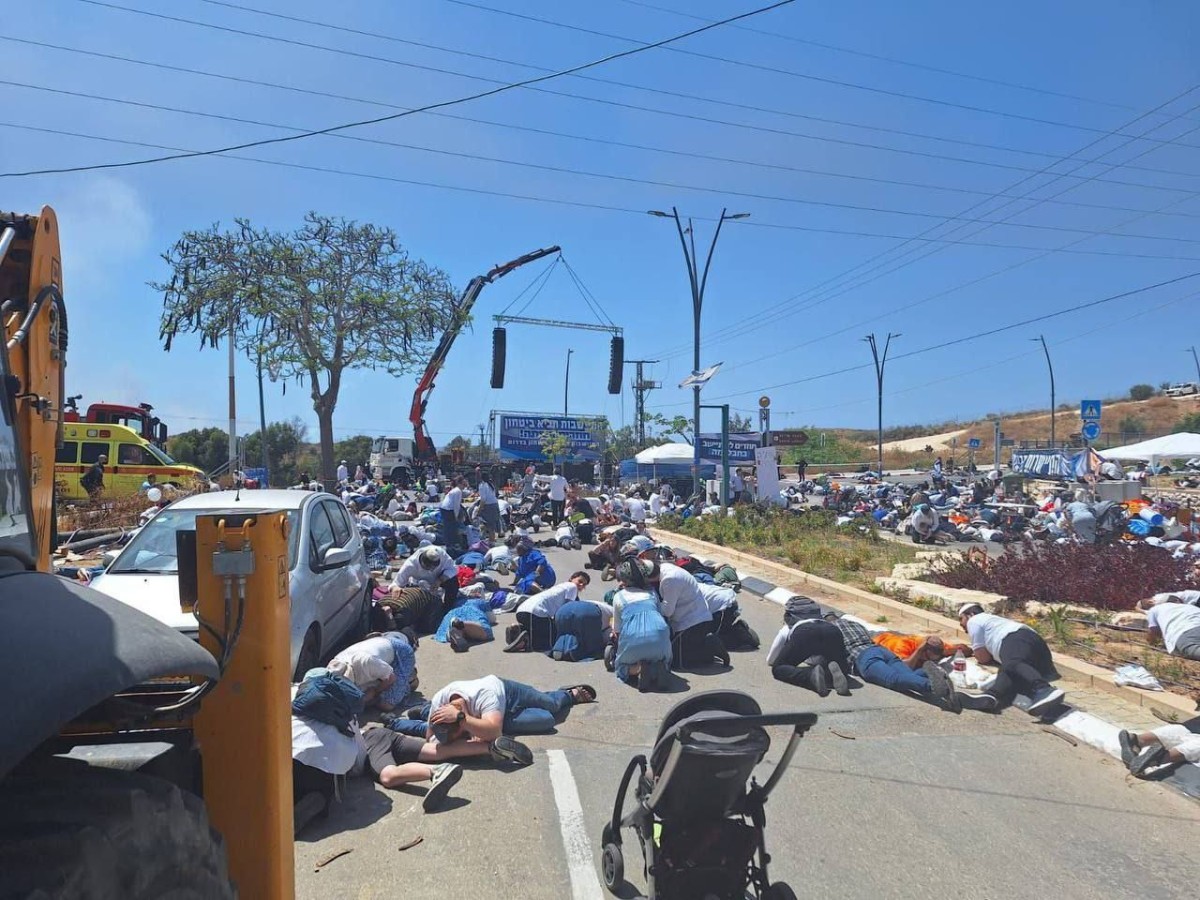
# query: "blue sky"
{"points": [[783, 304]]}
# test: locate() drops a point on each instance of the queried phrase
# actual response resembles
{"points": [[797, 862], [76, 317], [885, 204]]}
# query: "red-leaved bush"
{"points": [[1112, 577]]}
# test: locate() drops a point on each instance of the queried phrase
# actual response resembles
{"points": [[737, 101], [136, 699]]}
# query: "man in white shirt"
{"points": [[483, 709], [1177, 625], [1023, 657], [558, 496], [635, 507], [343, 472], [736, 485], [451, 509], [432, 568], [534, 628], [682, 605], [1186, 596], [728, 624], [656, 505]]}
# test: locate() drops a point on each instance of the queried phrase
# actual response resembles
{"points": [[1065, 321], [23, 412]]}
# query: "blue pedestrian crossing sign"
{"points": [[974, 443], [1089, 410], [1091, 431]]}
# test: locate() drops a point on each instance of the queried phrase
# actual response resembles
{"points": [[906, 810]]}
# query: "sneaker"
{"points": [[819, 677], [517, 643], [458, 640], [841, 684], [1129, 746], [511, 632], [608, 574], [1045, 700], [939, 681], [388, 718], [505, 749], [1148, 759], [576, 544], [445, 776], [978, 702], [502, 567]]}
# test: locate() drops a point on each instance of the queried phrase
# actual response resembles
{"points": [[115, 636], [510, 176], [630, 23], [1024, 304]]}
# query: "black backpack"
{"points": [[800, 608]]}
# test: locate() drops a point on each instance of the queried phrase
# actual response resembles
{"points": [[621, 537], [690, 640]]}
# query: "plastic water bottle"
{"points": [[960, 662]]}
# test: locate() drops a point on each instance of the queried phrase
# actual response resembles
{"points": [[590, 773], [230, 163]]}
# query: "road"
{"points": [[886, 797]]}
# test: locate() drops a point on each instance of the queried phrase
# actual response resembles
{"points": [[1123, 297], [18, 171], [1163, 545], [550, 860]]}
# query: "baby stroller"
{"points": [[700, 826]]}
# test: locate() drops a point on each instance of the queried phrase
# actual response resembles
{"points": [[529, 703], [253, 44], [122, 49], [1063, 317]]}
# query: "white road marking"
{"points": [[585, 884]]}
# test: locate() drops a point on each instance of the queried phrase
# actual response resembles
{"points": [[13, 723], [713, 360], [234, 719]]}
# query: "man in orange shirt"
{"points": [[916, 650]]}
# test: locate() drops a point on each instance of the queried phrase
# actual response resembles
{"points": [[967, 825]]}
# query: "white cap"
{"points": [[967, 607]]}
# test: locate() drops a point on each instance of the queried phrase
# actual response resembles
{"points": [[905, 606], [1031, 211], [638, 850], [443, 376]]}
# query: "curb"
{"points": [[776, 577]]}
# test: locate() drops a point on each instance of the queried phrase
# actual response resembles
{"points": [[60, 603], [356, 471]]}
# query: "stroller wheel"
{"points": [[610, 657], [612, 862], [780, 890]]}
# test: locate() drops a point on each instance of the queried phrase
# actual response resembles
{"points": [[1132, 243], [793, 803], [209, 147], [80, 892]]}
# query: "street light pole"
{"points": [[1050, 366], [880, 363], [1196, 359], [567, 384], [696, 281]]}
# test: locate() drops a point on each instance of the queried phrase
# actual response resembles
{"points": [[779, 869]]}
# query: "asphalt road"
{"points": [[886, 797]]}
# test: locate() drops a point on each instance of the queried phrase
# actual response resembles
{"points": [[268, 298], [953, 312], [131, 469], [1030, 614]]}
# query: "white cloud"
{"points": [[104, 224]]}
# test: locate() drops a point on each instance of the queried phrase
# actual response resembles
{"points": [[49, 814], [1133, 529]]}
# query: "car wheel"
{"points": [[362, 625], [310, 652]]}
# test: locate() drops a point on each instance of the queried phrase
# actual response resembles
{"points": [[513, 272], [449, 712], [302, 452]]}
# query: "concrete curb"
{"points": [[773, 576]]}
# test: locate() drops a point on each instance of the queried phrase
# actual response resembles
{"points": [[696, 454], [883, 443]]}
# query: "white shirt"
{"points": [[988, 632], [636, 507], [413, 573], [495, 554], [655, 505], [487, 494], [365, 663], [558, 488], [547, 602], [717, 597], [343, 474], [1192, 597], [323, 747], [452, 502], [682, 602], [393, 506], [564, 531], [482, 695], [1173, 620], [781, 638], [735, 483]]}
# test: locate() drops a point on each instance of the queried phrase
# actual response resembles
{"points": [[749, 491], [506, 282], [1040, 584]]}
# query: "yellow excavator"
{"points": [[135, 763]]}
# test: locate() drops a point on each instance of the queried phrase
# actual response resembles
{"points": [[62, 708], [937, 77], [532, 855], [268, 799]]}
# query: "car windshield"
{"points": [[161, 455], [152, 550]]}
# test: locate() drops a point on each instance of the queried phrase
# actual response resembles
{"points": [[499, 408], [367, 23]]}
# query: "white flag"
{"points": [[700, 378]]}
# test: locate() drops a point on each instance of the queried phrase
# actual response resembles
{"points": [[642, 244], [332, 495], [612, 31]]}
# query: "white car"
{"points": [[329, 578]]}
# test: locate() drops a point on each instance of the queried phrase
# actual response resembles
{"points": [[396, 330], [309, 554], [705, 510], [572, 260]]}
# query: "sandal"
{"points": [[583, 693]]}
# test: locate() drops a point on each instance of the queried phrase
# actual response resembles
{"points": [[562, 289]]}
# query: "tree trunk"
{"points": [[324, 413]]}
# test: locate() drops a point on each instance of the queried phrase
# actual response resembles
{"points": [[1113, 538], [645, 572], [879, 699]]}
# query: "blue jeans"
{"points": [[413, 727], [881, 666], [530, 711]]}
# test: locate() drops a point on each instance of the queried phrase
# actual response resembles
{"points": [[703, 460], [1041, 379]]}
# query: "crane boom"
{"points": [[424, 449]]}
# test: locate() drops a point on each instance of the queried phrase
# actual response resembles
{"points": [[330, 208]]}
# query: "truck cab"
{"points": [[139, 418], [392, 460]]}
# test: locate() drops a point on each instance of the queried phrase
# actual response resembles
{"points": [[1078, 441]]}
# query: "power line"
{"points": [[877, 57], [724, 123], [772, 69], [393, 116], [968, 338], [328, 170], [579, 172], [829, 285]]}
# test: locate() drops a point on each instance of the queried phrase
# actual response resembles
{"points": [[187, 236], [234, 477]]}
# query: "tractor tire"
{"points": [[105, 834]]}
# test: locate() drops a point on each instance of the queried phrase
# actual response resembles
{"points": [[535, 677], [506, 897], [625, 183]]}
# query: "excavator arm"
{"points": [[424, 449]]}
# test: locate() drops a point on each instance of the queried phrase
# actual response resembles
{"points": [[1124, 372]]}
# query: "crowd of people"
{"points": [[455, 558]]}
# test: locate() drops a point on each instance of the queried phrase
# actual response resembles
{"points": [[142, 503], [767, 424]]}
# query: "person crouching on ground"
{"points": [[383, 667], [683, 606], [534, 628], [640, 635], [533, 572], [1175, 623], [808, 651], [1023, 657], [728, 624], [432, 568]]}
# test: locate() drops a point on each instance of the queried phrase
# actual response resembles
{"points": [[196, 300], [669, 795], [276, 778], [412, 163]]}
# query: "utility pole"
{"points": [[1196, 360], [567, 383], [880, 362], [697, 281], [232, 338], [483, 447], [1050, 366], [641, 387]]}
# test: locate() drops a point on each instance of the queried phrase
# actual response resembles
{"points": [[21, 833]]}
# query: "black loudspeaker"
{"points": [[499, 341], [616, 365]]}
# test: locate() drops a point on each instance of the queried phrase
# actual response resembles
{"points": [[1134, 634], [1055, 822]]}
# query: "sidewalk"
{"points": [[1098, 708]]}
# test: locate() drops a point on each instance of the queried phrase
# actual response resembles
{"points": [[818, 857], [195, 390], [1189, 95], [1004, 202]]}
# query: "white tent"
{"points": [[1183, 445], [666, 453]]}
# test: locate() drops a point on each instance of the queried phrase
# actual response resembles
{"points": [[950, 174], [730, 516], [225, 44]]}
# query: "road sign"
{"points": [[792, 438], [974, 443], [1091, 430], [764, 401], [1089, 410]]}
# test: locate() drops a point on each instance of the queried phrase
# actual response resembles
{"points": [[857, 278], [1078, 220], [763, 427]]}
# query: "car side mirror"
{"points": [[336, 558]]}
